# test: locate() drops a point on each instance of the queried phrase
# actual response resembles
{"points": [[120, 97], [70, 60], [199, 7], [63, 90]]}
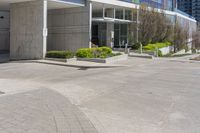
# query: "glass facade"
{"points": [[161, 4], [121, 35], [196, 9], [191, 7], [185, 6]]}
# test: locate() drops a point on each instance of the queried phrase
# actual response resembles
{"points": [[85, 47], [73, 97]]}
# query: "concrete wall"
{"points": [[167, 50], [27, 38], [4, 30], [69, 29]]}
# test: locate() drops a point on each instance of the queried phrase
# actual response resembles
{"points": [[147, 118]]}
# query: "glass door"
{"points": [[123, 34], [116, 35]]}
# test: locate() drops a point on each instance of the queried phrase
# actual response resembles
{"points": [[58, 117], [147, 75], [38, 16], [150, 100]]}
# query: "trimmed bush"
{"points": [[135, 46], [160, 53], [106, 50], [101, 52], [59, 54], [153, 47], [84, 53]]}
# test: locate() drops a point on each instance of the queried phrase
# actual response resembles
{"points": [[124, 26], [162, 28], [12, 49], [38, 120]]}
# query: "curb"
{"points": [[76, 66]]}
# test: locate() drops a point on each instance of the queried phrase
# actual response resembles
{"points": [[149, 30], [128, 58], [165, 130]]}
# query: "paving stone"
{"points": [[41, 111]]}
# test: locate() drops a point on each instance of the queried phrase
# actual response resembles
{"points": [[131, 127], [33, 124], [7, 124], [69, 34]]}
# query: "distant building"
{"points": [[196, 9], [161, 4], [185, 6]]}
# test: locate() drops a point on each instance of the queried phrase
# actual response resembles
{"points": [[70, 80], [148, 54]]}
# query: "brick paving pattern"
{"points": [[41, 111]]}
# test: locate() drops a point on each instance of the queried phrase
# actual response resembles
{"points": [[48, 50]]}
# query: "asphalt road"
{"points": [[144, 96]]}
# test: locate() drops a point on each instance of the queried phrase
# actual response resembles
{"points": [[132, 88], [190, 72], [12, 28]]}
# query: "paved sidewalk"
{"points": [[147, 96], [41, 111]]}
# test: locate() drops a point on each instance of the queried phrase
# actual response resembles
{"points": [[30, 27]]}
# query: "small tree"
{"points": [[153, 26], [196, 40], [180, 37]]}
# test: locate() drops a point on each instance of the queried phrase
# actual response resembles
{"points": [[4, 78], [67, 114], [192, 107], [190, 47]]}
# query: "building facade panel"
{"points": [[27, 30], [68, 28]]}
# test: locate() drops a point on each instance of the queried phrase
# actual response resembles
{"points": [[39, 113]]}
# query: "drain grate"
{"points": [[2, 92]]}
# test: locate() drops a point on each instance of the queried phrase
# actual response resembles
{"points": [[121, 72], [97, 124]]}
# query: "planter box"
{"points": [[166, 50], [60, 59], [179, 52], [106, 60]]}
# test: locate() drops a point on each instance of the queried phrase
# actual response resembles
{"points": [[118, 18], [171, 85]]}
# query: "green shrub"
{"points": [[59, 54], [160, 53], [100, 52], [106, 50], [135, 46], [84, 53], [153, 47]]}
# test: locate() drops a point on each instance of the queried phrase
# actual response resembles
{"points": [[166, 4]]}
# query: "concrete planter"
{"points": [[147, 56], [167, 50], [60, 59], [106, 60]]}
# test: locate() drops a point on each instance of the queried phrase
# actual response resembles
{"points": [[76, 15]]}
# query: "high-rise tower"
{"points": [[196, 9], [185, 6]]}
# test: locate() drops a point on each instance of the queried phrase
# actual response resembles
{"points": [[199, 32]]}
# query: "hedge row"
{"points": [[100, 52], [60, 54], [153, 47]]}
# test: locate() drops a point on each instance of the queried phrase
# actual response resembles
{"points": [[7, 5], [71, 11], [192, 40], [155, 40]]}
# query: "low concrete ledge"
{"points": [[4, 58], [106, 60], [60, 59], [141, 56]]}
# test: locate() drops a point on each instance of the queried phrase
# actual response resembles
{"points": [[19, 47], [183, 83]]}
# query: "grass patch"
{"points": [[153, 47]]}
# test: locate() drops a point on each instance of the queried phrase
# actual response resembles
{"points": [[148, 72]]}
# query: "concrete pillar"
{"points": [[90, 23], [110, 33], [28, 30]]}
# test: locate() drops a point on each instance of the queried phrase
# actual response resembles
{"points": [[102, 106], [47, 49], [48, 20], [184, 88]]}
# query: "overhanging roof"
{"points": [[52, 4]]}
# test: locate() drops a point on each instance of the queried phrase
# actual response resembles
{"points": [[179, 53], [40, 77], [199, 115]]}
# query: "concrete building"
{"points": [[29, 28]]}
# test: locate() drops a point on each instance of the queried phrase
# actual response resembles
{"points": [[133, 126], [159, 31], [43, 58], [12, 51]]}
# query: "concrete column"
{"points": [[90, 24], [110, 30], [28, 30]]}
